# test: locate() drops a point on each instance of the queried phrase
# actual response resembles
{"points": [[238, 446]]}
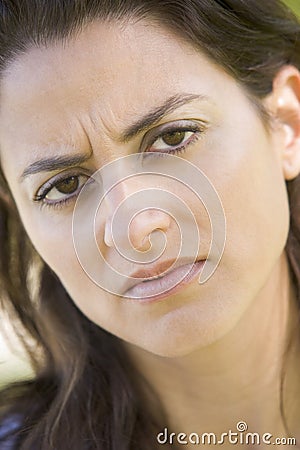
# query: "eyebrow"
{"points": [[55, 163], [151, 118], [158, 113]]}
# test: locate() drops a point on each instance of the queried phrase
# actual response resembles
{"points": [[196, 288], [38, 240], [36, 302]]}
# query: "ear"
{"points": [[284, 105]]}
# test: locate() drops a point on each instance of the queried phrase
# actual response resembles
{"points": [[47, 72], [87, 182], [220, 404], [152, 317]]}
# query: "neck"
{"points": [[235, 379]]}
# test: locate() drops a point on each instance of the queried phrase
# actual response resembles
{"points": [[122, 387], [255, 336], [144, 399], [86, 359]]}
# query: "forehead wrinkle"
{"points": [[86, 134], [123, 129], [103, 126], [107, 124]]}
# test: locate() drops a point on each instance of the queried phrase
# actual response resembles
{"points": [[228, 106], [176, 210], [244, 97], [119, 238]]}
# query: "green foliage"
{"points": [[294, 4]]}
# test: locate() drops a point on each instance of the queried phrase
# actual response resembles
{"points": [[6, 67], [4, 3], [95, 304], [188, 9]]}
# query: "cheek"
{"points": [[255, 201], [53, 240], [257, 209], [243, 164], [257, 228], [51, 235]]}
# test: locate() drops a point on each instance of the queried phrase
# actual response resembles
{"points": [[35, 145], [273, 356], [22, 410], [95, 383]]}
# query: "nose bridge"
{"points": [[138, 220], [118, 194]]}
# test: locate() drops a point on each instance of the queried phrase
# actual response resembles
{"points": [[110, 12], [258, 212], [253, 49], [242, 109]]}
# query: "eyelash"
{"points": [[181, 148], [41, 195]]}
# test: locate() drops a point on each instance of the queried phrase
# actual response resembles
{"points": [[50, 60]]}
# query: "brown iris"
{"points": [[68, 186], [174, 138]]}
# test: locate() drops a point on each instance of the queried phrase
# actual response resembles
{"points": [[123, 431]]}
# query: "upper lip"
{"points": [[158, 270]]}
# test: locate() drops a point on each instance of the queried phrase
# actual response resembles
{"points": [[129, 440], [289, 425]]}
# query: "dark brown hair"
{"points": [[86, 394]]}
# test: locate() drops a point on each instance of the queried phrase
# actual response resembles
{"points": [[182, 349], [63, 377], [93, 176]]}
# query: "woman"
{"points": [[84, 86]]}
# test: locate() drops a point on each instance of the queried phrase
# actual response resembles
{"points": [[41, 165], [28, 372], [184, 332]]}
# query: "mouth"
{"points": [[167, 283]]}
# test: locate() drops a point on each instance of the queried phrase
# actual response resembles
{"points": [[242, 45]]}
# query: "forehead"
{"points": [[104, 55], [108, 75], [112, 60]]}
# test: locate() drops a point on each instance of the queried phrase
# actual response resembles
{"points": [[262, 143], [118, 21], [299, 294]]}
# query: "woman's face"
{"points": [[79, 101]]}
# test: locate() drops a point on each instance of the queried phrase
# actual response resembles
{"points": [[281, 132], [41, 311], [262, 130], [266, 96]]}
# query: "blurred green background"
{"points": [[12, 364], [294, 4]]}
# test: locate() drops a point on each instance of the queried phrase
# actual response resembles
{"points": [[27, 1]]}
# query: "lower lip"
{"points": [[153, 290]]}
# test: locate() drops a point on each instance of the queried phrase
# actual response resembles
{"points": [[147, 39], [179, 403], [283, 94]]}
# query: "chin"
{"points": [[180, 339]]}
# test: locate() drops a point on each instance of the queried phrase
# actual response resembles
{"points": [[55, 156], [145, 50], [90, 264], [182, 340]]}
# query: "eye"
{"points": [[65, 187], [173, 138], [61, 189]]}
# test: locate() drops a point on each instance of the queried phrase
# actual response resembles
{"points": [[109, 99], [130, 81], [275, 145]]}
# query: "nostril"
{"points": [[144, 229], [141, 233], [141, 246]]}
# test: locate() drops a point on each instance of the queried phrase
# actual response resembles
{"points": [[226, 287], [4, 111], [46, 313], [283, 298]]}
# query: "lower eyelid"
{"points": [[195, 136], [56, 205], [43, 201], [177, 150], [59, 204]]}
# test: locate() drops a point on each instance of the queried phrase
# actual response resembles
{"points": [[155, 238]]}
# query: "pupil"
{"points": [[174, 138], [68, 186]]}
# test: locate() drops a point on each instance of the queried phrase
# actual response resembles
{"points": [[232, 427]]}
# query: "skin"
{"points": [[226, 335]]}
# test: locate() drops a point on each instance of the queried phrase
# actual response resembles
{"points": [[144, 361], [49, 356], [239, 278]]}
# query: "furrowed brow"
{"points": [[158, 113], [63, 162]]}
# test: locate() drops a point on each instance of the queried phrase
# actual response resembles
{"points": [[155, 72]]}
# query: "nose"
{"points": [[137, 230]]}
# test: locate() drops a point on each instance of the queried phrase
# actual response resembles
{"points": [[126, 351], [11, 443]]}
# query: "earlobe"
{"points": [[291, 165], [284, 105]]}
